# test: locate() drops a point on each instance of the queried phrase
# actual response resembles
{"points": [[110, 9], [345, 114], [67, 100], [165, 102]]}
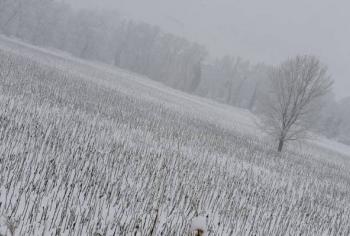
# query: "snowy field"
{"points": [[86, 148]]}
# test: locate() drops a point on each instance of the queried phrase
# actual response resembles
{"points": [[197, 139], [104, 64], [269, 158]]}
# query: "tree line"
{"points": [[135, 46], [148, 50], [105, 36]]}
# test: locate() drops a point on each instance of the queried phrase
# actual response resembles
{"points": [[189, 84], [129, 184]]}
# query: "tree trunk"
{"points": [[280, 145], [253, 98], [229, 95]]}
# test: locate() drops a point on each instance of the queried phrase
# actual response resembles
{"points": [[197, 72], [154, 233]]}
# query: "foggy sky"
{"points": [[259, 30]]}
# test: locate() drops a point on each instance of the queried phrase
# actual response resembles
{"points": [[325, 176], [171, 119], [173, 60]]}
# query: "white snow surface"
{"points": [[86, 148], [199, 223], [123, 81]]}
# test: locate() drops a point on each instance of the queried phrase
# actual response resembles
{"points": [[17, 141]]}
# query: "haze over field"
{"points": [[96, 149], [262, 31], [181, 117]]}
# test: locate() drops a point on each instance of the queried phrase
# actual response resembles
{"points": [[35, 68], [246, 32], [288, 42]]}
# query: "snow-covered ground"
{"points": [[133, 84], [87, 148], [333, 145]]}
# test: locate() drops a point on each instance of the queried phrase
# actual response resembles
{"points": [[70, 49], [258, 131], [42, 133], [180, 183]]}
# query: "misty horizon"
{"points": [[174, 117], [262, 32]]}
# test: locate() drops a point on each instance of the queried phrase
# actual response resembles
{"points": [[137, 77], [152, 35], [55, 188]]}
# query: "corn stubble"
{"points": [[79, 158]]}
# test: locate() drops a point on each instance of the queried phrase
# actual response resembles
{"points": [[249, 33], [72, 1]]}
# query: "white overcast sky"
{"points": [[259, 30]]}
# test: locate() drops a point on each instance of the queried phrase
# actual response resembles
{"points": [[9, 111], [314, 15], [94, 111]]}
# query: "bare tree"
{"points": [[291, 106]]}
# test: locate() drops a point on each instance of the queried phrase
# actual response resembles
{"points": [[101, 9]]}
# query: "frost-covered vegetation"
{"points": [[110, 37], [84, 151]]}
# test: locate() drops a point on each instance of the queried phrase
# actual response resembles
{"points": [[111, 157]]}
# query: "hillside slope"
{"points": [[88, 148], [240, 120]]}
